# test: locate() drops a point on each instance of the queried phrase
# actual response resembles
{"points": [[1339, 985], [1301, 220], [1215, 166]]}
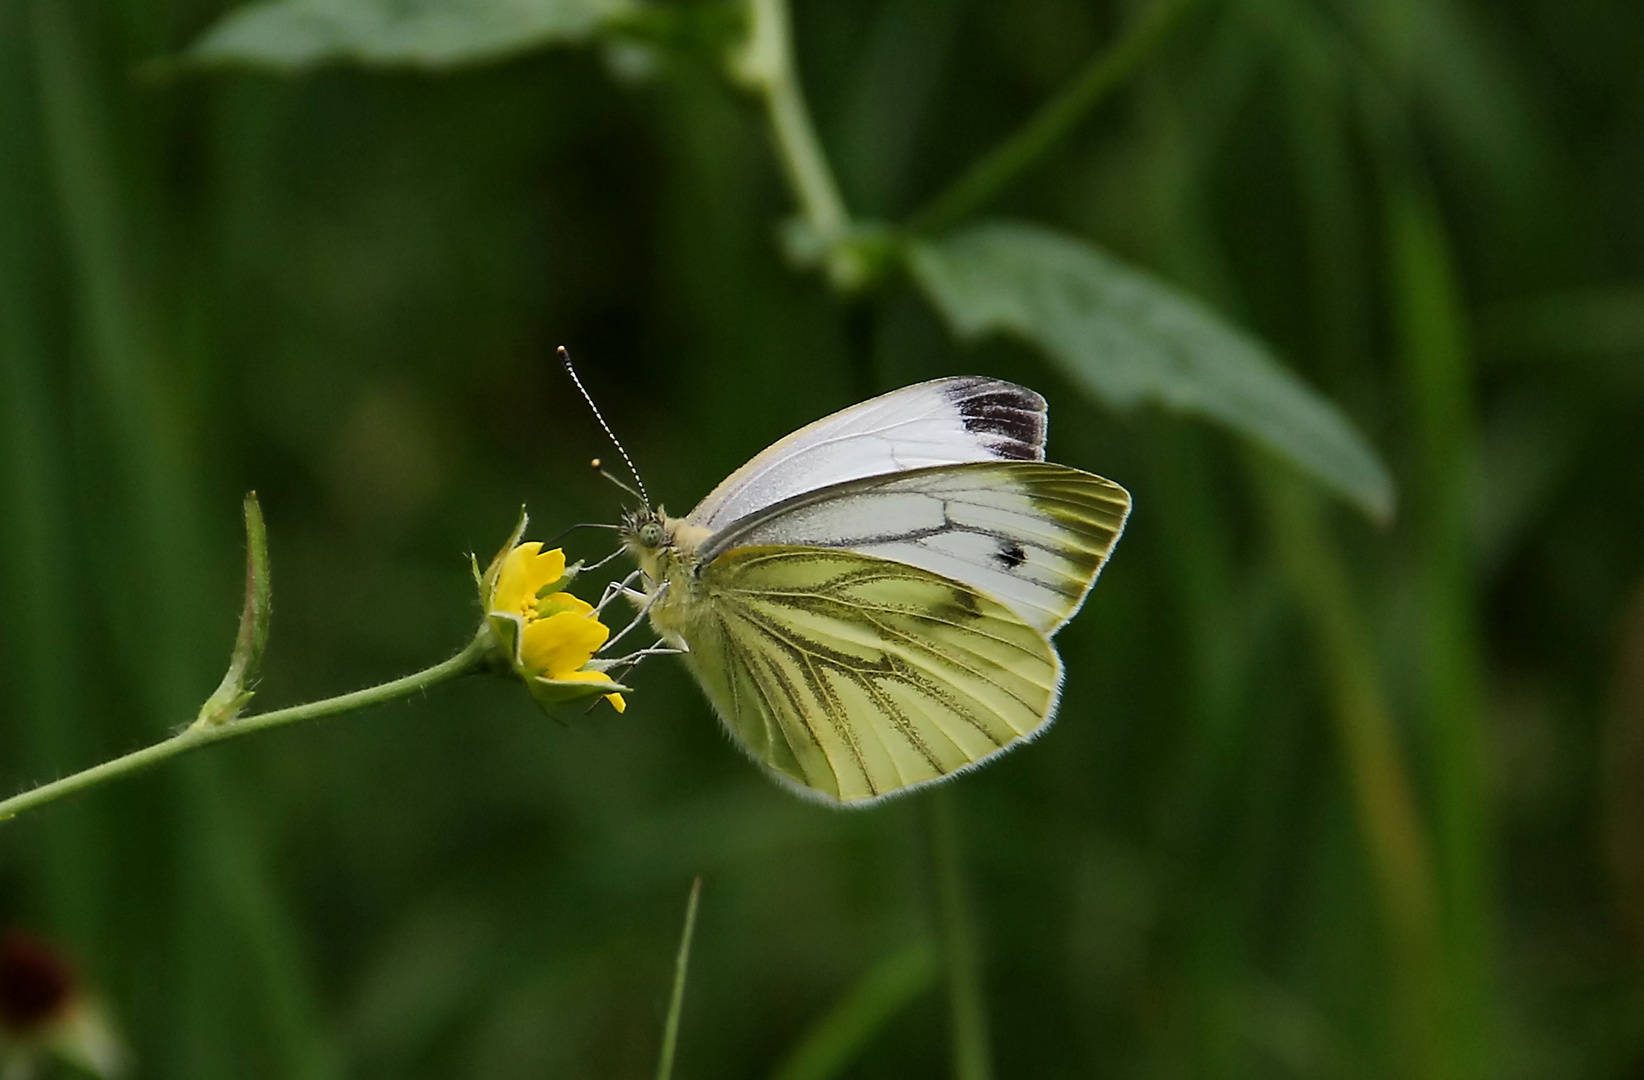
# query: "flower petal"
{"points": [[558, 645], [525, 572], [583, 676]]}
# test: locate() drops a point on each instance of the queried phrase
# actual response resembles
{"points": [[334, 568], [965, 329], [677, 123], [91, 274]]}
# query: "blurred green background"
{"points": [[1326, 798]]}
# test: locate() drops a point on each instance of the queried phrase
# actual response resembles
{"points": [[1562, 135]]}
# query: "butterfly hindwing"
{"points": [[1029, 534], [854, 677], [941, 422]]}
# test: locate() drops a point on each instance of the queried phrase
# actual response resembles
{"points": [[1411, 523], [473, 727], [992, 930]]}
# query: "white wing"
{"points": [[942, 422], [1031, 535]]}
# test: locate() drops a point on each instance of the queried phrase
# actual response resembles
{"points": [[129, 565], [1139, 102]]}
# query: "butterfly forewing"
{"points": [[942, 422], [855, 676], [1029, 534]]}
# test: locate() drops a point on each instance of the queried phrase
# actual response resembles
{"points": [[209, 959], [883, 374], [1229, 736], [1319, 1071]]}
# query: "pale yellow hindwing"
{"points": [[855, 677]]}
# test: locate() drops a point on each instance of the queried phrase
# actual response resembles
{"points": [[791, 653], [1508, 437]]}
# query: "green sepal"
{"points": [[562, 584], [506, 632], [488, 581], [551, 692]]}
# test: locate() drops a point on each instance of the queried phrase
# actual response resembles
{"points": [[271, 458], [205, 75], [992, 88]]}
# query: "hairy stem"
{"points": [[469, 660]]}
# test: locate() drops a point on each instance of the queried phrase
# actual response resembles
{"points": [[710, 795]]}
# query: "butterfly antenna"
{"points": [[600, 468], [563, 533], [644, 497]]}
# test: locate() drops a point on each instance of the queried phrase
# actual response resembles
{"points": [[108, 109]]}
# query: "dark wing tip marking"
{"points": [[1009, 418]]}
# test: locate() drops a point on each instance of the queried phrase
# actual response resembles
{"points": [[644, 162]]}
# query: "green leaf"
{"points": [[292, 34], [1131, 339]]}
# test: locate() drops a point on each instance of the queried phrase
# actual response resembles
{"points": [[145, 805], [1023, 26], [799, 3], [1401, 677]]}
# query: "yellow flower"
{"points": [[549, 636], [556, 647]]}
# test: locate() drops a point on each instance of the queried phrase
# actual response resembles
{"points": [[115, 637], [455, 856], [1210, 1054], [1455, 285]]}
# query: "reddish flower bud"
{"points": [[36, 984]]}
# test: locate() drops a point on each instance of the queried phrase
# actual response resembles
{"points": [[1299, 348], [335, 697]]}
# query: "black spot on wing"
{"points": [[1010, 555], [1009, 419]]}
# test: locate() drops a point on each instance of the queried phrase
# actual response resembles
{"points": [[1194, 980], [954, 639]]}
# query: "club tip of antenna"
{"points": [[564, 353], [596, 463]]}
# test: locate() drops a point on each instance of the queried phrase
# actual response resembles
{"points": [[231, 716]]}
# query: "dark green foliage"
{"points": [[1325, 798]]}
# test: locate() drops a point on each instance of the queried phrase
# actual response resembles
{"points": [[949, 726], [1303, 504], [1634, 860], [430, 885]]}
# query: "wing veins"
{"points": [[965, 714], [854, 671], [904, 726], [798, 654], [841, 661], [866, 606]]}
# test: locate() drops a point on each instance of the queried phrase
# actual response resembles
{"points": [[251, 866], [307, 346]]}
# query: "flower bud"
{"points": [[44, 1012]]}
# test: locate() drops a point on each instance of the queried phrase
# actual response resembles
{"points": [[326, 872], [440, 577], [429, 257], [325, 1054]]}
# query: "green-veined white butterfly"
{"points": [[869, 603]]}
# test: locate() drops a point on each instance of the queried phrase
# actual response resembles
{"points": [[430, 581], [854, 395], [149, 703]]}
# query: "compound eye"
{"points": [[650, 534]]}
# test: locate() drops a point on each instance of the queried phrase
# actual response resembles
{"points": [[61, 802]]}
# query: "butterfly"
{"points": [[869, 603]]}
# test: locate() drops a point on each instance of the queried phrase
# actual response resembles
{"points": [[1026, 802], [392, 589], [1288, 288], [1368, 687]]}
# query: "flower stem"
{"points": [[469, 660], [1053, 122]]}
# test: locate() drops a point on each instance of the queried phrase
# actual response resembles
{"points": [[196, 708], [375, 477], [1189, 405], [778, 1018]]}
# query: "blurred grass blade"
{"points": [[968, 1018], [44, 725], [289, 35], [1131, 339], [1438, 372], [838, 1037], [143, 439], [234, 692], [1623, 771], [676, 1003], [1054, 122], [1583, 323], [1378, 776]]}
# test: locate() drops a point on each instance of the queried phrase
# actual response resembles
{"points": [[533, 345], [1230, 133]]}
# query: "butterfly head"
{"points": [[643, 530], [659, 543], [647, 535]]}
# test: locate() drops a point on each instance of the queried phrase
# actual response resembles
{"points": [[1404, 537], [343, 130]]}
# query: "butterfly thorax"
{"points": [[666, 550]]}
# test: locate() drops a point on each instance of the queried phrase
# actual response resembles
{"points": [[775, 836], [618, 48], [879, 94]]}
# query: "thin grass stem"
{"points": [[676, 1002]]}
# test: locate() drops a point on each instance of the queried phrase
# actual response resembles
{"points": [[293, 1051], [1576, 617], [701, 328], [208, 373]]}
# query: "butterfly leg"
{"points": [[620, 667], [650, 602], [615, 589], [612, 557]]}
